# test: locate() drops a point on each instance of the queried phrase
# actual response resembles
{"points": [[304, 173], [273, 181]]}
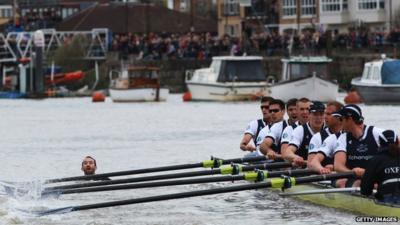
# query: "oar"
{"points": [[227, 169], [274, 183], [257, 176], [324, 191], [212, 163]]}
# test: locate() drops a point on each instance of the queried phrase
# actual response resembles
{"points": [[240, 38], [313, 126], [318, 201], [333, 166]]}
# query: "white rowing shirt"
{"points": [[254, 128], [316, 141], [328, 146], [287, 134], [298, 135], [263, 133], [275, 132]]}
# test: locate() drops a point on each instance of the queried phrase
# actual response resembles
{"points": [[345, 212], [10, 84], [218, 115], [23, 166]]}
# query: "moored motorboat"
{"points": [[380, 82], [305, 77], [136, 84], [229, 78]]}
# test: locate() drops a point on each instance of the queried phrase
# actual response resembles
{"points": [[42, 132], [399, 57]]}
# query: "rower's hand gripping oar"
{"points": [[226, 169], [254, 176], [274, 183], [212, 163]]}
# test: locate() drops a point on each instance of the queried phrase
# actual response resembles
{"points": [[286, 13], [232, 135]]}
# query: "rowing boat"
{"points": [[352, 202]]}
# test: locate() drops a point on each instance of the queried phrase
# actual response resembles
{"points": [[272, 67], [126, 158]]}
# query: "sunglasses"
{"points": [[274, 110], [264, 107]]}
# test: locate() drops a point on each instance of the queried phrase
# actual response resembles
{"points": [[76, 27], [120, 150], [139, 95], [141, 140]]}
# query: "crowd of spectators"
{"points": [[205, 45]]}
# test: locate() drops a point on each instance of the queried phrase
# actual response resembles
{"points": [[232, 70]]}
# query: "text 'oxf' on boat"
{"points": [[305, 76], [229, 78], [136, 84], [380, 82]]}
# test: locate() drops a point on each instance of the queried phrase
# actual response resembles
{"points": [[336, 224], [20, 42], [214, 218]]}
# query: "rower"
{"points": [[355, 147], [271, 144], [255, 126], [297, 151], [302, 112], [322, 162], [333, 126], [291, 110], [384, 169]]}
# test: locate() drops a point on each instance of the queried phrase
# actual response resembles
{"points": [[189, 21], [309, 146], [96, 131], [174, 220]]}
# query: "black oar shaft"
{"points": [[267, 184], [172, 176], [207, 163], [230, 178]]}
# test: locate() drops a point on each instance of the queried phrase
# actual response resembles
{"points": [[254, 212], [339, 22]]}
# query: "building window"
{"points": [[330, 5], [308, 7], [371, 4], [232, 30], [289, 8], [345, 5], [231, 7]]}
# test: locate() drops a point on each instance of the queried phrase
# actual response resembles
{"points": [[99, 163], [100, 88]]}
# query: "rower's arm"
{"points": [[244, 144], [289, 153], [315, 163], [265, 146], [339, 163]]}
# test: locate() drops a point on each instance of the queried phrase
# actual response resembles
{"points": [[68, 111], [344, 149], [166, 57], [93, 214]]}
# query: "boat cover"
{"points": [[390, 72], [242, 71]]}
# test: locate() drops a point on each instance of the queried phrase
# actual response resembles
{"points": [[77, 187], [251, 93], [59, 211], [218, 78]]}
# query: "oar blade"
{"points": [[53, 211]]}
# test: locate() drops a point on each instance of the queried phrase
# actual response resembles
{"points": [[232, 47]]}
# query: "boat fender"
{"points": [[98, 96], [187, 96], [352, 98]]}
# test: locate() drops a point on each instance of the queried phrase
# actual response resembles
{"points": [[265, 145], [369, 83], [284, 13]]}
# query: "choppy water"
{"points": [[48, 138]]}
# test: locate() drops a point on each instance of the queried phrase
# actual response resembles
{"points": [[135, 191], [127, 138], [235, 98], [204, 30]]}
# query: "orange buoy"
{"points": [[98, 96], [187, 96], [352, 98]]}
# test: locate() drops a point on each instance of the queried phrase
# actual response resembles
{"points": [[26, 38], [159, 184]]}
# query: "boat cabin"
{"points": [[299, 67], [232, 69], [135, 77], [384, 71]]}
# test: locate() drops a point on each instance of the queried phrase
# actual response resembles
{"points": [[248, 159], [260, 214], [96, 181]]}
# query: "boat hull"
{"points": [[138, 94], [226, 91], [351, 202], [313, 88], [377, 94]]}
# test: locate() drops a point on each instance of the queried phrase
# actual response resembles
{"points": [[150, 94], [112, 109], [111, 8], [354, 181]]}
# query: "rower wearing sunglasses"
{"points": [[271, 143], [277, 112], [255, 126]]}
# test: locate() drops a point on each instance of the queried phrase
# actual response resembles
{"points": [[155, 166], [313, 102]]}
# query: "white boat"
{"points": [[136, 84], [380, 82], [305, 77], [229, 78]]}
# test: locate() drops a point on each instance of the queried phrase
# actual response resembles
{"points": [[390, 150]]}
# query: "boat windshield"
{"points": [[152, 74], [242, 71], [299, 70]]}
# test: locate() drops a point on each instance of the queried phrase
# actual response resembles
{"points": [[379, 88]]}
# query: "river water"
{"points": [[48, 138]]}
